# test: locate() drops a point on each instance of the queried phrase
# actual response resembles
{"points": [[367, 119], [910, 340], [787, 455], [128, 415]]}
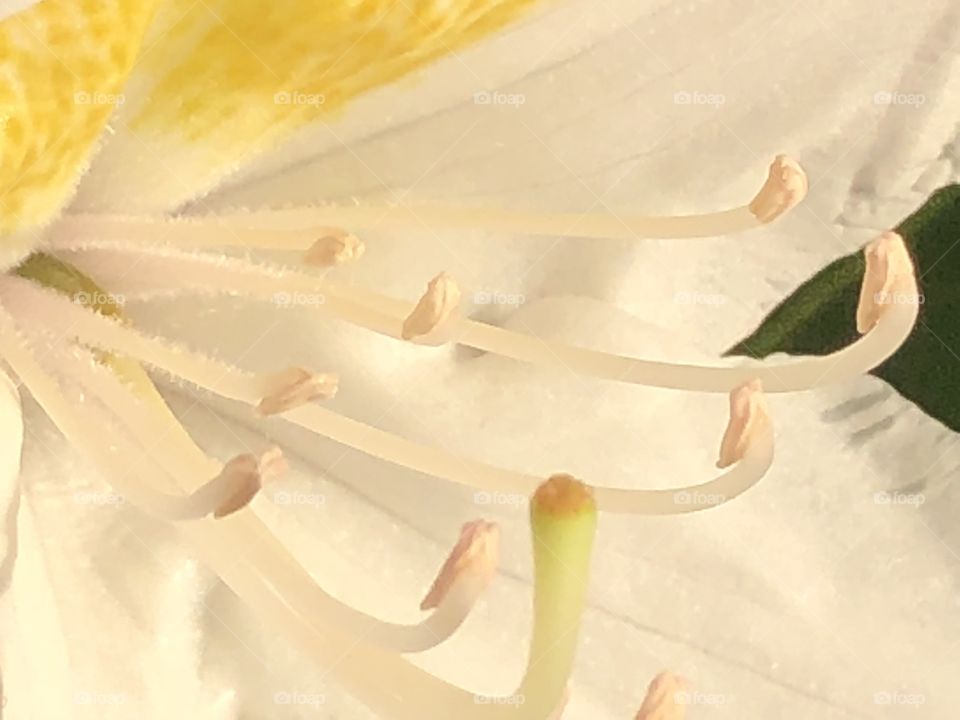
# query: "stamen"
{"points": [[232, 490], [474, 554], [785, 188], [394, 688], [62, 316], [664, 699], [242, 230], [335, 249], [886, 279], [293, 387], [434, 310], [562, 545], [141, 273], [748, 410], [243, 475], [228, 492], [164, 271], [297, 228], [273, 464]]}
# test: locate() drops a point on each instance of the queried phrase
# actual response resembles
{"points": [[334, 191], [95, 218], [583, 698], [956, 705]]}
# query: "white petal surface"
{"points": [[107, 609], [806, 598], [771, 605]]}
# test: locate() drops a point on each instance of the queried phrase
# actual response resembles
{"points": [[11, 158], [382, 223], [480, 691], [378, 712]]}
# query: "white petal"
{"points": [[9, 7], [772, 604], [775, 601], [105, 615], [602, 131]]}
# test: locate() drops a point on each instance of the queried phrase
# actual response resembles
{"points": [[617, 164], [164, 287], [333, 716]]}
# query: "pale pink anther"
{"points": [[748, 413], [336, 248], [273, 464], [785, 188], [244, 475], [476, 552], [665, 700], [438, 303], [888, 262], [293, 387]]}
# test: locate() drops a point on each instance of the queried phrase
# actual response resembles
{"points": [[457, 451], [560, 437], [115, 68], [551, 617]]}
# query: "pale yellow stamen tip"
{"points": [[337, 248], [748, 413], [293, 387], [476, 552], [785, 188], [435, 308], [888, 261], [665, 700]]}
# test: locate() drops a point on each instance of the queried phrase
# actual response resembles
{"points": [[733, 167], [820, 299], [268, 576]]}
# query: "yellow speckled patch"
{"points": [[62, 68], [228, 78], [257, 70]]}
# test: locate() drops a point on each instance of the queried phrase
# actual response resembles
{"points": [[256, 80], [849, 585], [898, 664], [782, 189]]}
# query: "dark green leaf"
{"points": [[818, 318]]}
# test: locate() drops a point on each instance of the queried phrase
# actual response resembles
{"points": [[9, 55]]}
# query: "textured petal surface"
{"points": [[63, 65], [810, 597], [223, 81]]}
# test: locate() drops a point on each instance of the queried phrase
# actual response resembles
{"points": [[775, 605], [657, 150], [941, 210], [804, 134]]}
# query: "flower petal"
{"points": [[765, 605], [62, 69], [105, 611], [225, 80], [746, 595]]}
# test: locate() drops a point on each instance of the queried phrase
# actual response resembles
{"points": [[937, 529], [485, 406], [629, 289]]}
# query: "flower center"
{"points": [[64, 333], [92, 253]]}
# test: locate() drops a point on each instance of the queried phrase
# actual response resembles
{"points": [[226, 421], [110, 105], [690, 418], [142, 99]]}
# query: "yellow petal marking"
{"points": [[233, 77], [62, 68], [255, 71]]}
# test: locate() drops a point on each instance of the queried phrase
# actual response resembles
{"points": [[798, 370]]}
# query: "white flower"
{"points": [[773, 602]]}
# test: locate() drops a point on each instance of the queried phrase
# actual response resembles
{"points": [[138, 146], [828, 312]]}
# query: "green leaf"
{"points": [[819, 318]]}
